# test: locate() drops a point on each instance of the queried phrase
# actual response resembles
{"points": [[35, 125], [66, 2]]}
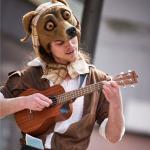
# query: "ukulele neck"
{"points": [[66, 97]]}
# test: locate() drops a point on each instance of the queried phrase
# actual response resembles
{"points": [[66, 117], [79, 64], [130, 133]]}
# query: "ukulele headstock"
{"points": [[124, 79]]}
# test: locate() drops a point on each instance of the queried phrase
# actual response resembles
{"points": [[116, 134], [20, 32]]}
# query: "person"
{"points": [[56, 35]]}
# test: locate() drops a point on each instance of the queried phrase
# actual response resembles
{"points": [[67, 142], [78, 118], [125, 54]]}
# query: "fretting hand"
{"points": [[112, 93]]}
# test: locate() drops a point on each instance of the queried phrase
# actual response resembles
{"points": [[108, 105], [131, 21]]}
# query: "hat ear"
{"points": [[62, 1], [26, 20]]}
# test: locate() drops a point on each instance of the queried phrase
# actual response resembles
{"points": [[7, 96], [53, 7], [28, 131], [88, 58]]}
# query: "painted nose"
{"points": [[71, 32]]}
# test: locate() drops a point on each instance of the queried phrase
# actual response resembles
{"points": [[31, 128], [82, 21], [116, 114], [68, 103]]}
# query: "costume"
{"points": [[95, 106], [49, 22]]}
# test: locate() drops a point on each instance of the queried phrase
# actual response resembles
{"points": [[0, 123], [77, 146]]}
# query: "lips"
{"points": [[70, 52]]}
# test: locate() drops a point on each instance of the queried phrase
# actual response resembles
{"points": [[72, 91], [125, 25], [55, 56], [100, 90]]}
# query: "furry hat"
{"points": [[51, 21]]}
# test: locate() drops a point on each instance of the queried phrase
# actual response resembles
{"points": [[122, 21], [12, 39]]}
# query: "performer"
{"points": [[55, 33]]}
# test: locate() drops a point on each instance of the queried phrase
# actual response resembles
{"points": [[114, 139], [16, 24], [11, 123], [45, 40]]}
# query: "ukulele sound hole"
{"points": [[64, 109]]}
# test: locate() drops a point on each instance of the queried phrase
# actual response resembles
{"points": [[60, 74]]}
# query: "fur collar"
{"points": [[57, 72]]}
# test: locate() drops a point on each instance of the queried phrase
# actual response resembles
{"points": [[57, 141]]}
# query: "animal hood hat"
{"points": [[51, 21]]}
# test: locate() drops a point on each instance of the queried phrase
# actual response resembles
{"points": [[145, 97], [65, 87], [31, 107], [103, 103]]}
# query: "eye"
{"points": [[66, 15], [59, 42], [50, 26]]}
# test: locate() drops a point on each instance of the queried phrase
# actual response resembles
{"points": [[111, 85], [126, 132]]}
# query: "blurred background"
{"points": [[117, 35]]}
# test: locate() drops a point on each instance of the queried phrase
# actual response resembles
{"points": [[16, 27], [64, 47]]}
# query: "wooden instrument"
{"points": [[38, 122]]}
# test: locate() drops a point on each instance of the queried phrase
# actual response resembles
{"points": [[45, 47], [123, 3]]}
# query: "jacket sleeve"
{"points": [[102, 109], [103, 105]]}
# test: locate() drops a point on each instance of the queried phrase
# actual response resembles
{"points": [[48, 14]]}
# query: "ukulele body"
{"points": [[38, 122]]}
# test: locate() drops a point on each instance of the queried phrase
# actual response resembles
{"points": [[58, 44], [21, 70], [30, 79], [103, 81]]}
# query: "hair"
{"points": [[85, 55]]}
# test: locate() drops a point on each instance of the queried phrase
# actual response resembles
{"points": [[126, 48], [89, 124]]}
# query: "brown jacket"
{"points": [[95, 106]]}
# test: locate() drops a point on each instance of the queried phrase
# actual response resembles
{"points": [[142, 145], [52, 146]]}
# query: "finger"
{"points": [[114, 84], [39, 102], [38, 109], [45, 98], [106, 83], [107, 89], [105, 94], [109, 78], [38, 105], [43, 103]]}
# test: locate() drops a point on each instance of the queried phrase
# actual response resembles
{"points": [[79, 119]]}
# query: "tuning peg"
{"points": [[121, 72], [132, 86], [129, 72]]}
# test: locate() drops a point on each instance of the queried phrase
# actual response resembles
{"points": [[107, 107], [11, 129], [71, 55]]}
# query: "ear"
{"points": [[62, 1], [27, 19]]}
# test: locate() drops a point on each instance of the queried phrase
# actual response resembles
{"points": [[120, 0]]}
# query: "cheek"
{"points": [[75, 41], [57, 51]]}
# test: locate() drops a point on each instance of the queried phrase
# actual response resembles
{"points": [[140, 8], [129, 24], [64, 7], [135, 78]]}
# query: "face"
{"points": [[65, 52]]}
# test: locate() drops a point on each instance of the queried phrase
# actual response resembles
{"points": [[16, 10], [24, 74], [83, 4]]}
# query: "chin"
{"points": [[73, 59]]}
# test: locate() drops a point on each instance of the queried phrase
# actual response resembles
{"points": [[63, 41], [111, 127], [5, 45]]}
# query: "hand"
{"points": [[112, 93], [37, 102]]}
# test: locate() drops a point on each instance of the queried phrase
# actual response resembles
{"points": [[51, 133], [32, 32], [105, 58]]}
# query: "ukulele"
{"points": [[38, 122]]}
